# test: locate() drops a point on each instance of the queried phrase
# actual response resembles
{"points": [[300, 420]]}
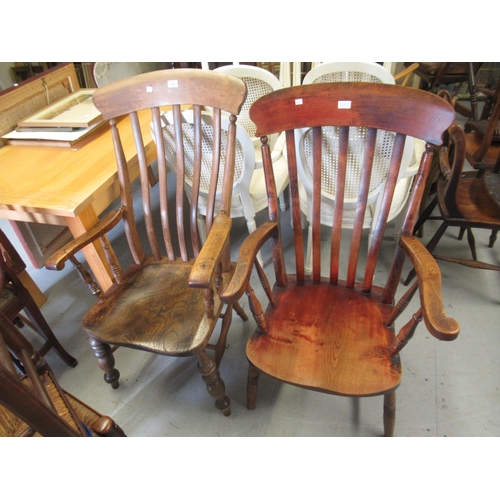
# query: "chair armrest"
{"points": [[57, 260], [247, 255], [204, 265], [429, 284]]}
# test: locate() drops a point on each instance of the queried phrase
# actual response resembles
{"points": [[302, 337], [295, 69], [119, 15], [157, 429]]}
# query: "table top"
{"points": [[61, 181]]}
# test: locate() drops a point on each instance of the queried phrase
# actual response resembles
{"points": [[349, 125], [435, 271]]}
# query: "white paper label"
{"points": [[149, 88], [344, 105], [298, 102], [172, 84]]}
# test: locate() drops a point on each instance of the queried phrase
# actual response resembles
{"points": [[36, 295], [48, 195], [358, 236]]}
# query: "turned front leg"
{"points": [[106, 361], [252, 386], [389, 414], [215, 385]]}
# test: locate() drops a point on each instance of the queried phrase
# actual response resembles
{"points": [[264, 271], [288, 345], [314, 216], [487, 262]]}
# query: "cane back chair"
{"points": [[150, 305], [32, 402], [354, 72], [334, 332]]}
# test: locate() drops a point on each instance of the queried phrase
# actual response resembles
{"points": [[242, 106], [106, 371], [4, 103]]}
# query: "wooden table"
{"points": [[64, 186]]}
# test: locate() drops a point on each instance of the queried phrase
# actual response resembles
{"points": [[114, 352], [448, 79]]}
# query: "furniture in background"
{"points": [[463, 201], [71, 188], [434, 75], [32, 403], [259, 82], [245, 188], [333, 331], [482, 137], [414, 148], [151, 305], [38, 240], [15, 298]]}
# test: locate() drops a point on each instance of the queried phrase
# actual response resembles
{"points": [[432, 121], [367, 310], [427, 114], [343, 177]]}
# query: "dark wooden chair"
{"points": [[16, 299], [333, 331], [150, 305], [32, 403], [434, 74], [482, 137], [463, 202]]}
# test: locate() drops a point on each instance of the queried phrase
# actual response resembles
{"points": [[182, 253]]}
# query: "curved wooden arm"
{"points": [[248, 253], [57, 260], [204, 265], [429, 284]]}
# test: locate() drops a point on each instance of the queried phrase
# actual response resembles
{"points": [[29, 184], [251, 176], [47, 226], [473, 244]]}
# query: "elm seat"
{"points": [[334, 344]]}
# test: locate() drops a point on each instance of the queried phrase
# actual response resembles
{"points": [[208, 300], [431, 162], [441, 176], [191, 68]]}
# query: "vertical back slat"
{"points": [[408, 224], [369, 151], [145, 187], [214, 176], [385, 207], [277, 249], [316, 201], [162, 180], [181, 168], [126, 197], [295, 208], [197, 164], [339, 205]]}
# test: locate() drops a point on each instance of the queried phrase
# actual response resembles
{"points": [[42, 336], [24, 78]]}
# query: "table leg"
{"points": [[94, 253]]}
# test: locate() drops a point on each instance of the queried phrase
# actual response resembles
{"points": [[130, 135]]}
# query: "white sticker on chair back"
{"points": [[344, 104]]}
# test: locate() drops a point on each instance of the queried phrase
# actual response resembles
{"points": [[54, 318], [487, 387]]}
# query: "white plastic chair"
{"points": [[260, 82], [354, 72], [249, 193]]}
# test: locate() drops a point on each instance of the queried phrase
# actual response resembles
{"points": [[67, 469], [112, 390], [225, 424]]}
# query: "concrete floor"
{"points": [[448, 388]]}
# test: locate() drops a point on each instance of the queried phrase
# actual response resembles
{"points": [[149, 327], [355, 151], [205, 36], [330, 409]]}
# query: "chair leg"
{"points": [[282, 202], [215, 385], [252, 386], [240, 311], [472, 243], [106, 361], [220, 347], [461, 233], [389, 414], [41, 326], [308, 265], [493, 238]]}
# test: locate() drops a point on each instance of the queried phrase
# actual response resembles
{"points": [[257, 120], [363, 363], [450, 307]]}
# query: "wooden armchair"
{"points": [[15, 299], [150, 305], [333, 331], [463, 202], [34, 404]]}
